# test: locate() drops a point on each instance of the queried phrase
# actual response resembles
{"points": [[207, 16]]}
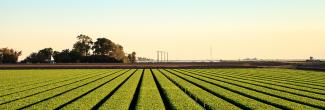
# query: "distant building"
{"points": [[51, 60], [144, 60], [250, 59]]}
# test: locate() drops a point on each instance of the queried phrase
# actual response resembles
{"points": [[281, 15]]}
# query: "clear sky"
{"points": [[268, 29]]}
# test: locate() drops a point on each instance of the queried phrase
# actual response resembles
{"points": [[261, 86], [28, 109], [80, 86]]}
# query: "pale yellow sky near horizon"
{"points": [[292, 30]]}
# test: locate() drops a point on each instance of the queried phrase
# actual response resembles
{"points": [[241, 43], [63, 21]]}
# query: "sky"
{"points": [[186, 29]]}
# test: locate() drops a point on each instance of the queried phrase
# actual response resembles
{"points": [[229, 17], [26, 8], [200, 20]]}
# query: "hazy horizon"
{"points": [[274, 29]]}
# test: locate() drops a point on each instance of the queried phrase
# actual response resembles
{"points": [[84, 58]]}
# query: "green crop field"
{"points": [[158, 89]]}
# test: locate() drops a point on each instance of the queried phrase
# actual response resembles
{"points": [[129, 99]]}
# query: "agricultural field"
{"points": [[159, 89]]}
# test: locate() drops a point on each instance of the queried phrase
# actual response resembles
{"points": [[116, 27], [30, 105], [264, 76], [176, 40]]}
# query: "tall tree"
{"points": [[9, 55], [45, 54], [132, 57], [83, 45], [103, 46], [129, 58], [118, 53]]}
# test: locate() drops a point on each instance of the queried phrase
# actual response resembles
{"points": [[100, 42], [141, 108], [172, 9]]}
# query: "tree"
{"points": [[62, 57], [104, 51], [45, 54], [42, 56], [118, 53], [132, 57], [67, 56], [129, 58], [83, 45], [9, 55], [32, 58], [103, 46], [1, 57]]}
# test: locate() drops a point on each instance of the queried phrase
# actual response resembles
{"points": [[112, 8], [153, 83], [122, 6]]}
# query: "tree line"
{"points": [[103, 51]]}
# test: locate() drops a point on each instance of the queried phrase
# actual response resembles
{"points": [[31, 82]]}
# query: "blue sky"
{"points": [[261, 28]]}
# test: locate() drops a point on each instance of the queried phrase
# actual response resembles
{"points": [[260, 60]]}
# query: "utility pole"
{"points": [[211, 53], [157, 56], [164, 56], [161, 56], [167, 56]]}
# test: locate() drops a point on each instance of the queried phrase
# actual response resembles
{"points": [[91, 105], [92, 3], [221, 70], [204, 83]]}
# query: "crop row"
{"points": [[175, 98], [265, 79], [260, 96], [265, 84], [267, 89], [44, 85], [24, 99], [296, 76], [208, 100], [282, 76], [18, 78]]}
